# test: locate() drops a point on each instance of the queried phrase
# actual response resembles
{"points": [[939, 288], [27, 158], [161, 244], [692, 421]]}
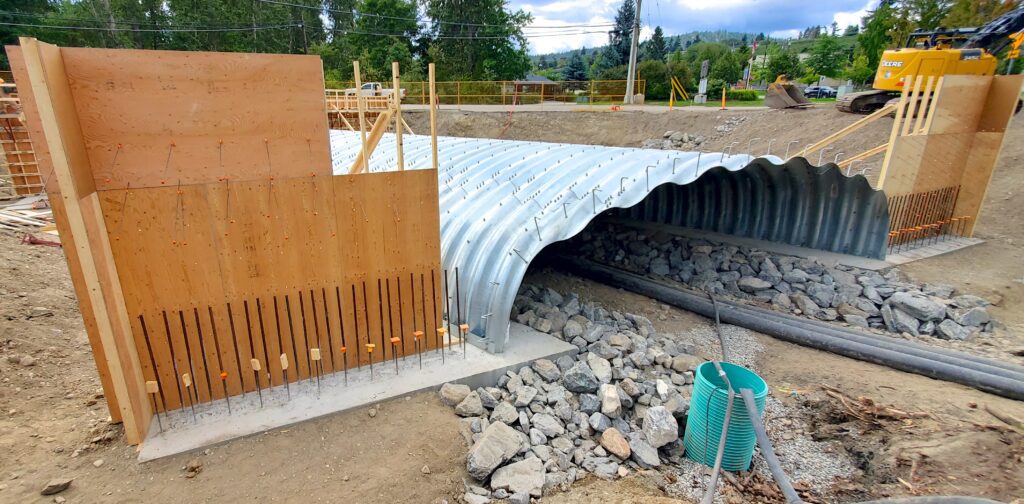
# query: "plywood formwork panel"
{"points": [[959, 104], [273, 272], [208, 231], [153, 118]]}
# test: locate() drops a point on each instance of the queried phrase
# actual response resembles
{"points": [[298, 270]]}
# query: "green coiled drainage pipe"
{"points": [[707, 416]]}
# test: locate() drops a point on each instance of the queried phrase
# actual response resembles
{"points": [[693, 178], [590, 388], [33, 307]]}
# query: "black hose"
{"points": [[949, 357], [934, 499], [963, 371], [766, 448]]}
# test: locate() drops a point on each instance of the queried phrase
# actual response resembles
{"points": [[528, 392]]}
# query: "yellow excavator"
{"points": [[961, 51]]}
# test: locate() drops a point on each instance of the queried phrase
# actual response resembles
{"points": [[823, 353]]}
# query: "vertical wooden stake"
{"points": [[433, 116], [397, 96], [360, 103]]}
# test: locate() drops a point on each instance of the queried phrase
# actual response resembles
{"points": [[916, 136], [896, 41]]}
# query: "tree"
{"points": [[477, 39], [874, 38], [780, 62], [656, 49], [827, 56], [723, 64], [859, 71], [927, 14], [575, 70], [620, 37], [835, 28], [657, 79], [976, 12], [542, 62], [851, 30]]}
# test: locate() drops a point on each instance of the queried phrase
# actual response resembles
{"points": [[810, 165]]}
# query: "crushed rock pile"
{"points": [[618, 406], [803, 286]]}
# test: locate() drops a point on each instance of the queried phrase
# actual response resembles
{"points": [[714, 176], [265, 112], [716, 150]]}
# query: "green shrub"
{"points": [[741, 95]]}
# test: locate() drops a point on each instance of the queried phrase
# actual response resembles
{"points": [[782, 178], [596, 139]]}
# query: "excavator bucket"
{"points": [[781, 94]]}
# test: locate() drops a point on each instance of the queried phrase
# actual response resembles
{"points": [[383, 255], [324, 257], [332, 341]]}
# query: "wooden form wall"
{"points": [[951, 144], [203, 226]]}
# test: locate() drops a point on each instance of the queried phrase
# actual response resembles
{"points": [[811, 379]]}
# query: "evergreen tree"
{"points": [[656, 48], [620, 38], [874, 38], [575, 70], [976, 12]]}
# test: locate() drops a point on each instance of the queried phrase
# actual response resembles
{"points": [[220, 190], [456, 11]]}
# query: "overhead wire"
{"points": [[355, 14]]}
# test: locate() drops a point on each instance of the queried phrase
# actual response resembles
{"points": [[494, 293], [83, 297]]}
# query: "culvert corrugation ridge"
{"points": [[496, 194]]}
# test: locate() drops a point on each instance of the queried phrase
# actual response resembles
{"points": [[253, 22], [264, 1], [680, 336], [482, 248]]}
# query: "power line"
{"points": [[160, 30], [272, 27], [426, 21]]}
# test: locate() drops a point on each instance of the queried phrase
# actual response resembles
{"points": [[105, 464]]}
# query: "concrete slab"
{"points": [[923, 250], [475, 367]]}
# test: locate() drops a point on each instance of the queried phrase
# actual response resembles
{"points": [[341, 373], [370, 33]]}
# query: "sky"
{"points": [[779, 18]]}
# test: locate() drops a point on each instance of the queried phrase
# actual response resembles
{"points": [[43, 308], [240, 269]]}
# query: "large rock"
{"points": [[611, 405], [616, 444], [601, 368], [524, 396], [496, 445], [660, 427], [453, 393], [470, 406], [547, 424], [589, 403], [897, 320], [973, 317], [753, 284], [525, 476], [685, 362], [822, 295], [572, 330], [505, 413], [952, 331], [580, 378], [546, 369], [599, 422], [55, 486], [918, 306], [642, 452]]}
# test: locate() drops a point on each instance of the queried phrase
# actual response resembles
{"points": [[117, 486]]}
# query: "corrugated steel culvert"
{"points": [[503, 201]]}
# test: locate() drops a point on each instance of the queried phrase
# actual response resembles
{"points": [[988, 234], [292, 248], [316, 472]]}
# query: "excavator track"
{"points": [[863, 102]]}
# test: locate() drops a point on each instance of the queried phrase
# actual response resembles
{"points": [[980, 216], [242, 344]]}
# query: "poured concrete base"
{"points": [[929, 248], [213, 424]]}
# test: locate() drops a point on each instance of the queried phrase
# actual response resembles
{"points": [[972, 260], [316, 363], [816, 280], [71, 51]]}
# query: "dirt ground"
{"points": [[53, 416]]}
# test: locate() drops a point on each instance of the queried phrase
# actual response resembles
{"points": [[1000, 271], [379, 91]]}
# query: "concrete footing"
{"points": [[213, 424]]}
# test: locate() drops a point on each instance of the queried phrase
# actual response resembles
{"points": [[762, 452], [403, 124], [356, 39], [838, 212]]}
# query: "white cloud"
{"points": [[844, 19]]}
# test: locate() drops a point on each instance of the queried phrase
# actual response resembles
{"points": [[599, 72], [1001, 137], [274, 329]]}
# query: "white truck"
{"points": [[373, 89]]}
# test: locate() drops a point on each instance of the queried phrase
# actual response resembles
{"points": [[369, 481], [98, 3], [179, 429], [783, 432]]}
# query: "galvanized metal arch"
{"points": [[503, 201]]}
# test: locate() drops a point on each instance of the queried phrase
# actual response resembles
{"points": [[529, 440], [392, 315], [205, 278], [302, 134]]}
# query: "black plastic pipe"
{"points": [[784, 327]]}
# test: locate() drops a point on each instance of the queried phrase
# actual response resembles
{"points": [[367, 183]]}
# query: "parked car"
{"points": [[820, 92], [374, 89]]}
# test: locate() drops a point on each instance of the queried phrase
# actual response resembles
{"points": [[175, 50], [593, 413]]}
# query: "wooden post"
{"points": [[362, 114], [922, 109], [397, 96], [433, 117], [63, 135], [912, 105], [458, 93], [893, 135]]}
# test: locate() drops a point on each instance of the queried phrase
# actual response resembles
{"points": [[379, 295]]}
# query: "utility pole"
{"points": [[634, 45]]}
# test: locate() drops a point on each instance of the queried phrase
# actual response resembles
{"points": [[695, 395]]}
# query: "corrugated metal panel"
{"points": [[503, 201]]}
